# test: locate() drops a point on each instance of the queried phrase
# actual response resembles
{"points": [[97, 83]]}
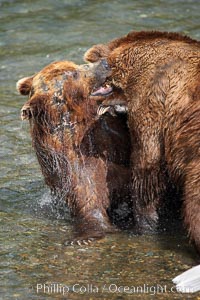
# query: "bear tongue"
{"points": [[102, 91]]}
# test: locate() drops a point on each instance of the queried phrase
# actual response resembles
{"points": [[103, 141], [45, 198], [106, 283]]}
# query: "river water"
{"points": [[34, 263]]}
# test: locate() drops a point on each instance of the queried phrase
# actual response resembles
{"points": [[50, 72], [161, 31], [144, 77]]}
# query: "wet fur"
{"points": [[159, 74], [81, 156]]}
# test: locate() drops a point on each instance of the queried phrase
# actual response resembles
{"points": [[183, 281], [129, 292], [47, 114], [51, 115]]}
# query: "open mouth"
{"points": [[103, 91]]}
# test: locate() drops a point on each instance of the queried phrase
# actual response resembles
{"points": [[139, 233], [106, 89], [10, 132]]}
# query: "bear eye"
{"points": [[72, 74], [75, 75]]}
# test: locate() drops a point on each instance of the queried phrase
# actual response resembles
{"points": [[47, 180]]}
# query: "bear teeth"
{"points": [[102, 110]]}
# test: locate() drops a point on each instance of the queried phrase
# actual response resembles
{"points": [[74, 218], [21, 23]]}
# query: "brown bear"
{"points": [[85, 160], [159, 75]]}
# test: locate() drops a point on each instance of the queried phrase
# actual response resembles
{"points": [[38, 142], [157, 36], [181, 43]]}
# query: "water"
{"points": [[34, 263]]}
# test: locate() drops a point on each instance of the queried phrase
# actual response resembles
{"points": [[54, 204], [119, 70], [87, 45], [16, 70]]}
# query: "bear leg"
{"points": [[192, 203], [147, 192], [91, 201]]}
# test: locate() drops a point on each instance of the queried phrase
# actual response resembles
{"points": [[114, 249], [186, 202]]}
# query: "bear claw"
{"points": [[85, 242]]}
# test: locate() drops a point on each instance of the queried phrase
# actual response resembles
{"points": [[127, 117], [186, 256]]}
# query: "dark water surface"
{"points": [[34, 263]]}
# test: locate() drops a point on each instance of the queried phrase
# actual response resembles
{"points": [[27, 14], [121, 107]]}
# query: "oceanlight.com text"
{"points": [[78, 288]]}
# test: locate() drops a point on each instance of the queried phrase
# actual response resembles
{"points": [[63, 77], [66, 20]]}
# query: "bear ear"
{"points": [[24, 85], [97, 52]]}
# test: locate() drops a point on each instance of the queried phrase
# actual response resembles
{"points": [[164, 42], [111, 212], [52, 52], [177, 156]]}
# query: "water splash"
{"points": [[49, 206]]}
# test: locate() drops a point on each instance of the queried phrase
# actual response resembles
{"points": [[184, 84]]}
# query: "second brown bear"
{"points": [[159, 74]]}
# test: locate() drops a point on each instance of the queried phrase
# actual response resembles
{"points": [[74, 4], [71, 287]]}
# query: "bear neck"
{"points": [[59, 155]]}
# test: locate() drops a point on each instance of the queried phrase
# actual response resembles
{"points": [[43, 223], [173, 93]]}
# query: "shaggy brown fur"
{"points": [[81, 156], [159, 74]]}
